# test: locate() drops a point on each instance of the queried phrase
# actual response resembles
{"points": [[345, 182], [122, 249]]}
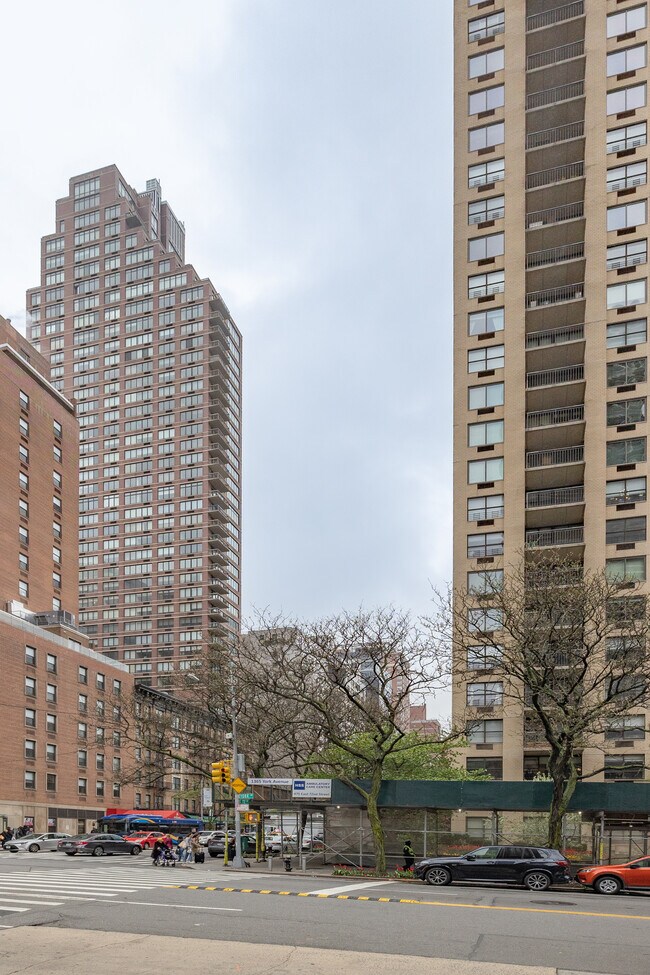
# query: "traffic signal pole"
{"points": [[238, 860]]}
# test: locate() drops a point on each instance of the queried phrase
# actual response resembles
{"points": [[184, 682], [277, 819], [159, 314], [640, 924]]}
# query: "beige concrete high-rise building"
{"points": [[550, 332]]}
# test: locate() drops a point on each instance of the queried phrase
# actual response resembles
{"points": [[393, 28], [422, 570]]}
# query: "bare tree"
{"points": [[567, 649], [348, 681]]}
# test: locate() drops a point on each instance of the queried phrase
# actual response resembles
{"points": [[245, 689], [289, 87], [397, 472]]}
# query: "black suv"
{"points": [[533, 867]]}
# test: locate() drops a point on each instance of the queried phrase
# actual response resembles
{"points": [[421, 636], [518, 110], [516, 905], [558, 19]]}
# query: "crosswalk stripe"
{"points": [[42, 903]]}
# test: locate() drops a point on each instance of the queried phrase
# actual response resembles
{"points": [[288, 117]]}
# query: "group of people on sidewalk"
{"points": [[188, 850], [13, 834]]}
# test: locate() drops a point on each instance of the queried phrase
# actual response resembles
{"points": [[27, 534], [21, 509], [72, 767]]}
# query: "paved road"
{"points": [[567, 931]]}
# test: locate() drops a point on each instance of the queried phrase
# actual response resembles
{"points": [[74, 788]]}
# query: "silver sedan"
{"points": [[35, 842]]}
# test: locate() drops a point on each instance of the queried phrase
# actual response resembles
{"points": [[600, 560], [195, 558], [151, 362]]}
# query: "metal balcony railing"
{"points": [[555, 456], [555, 377], [554, 296], [545, 537], [560, 214], [555, 336], [559, 133], [550, 418], [555, 55], [553, 96], [556, 15], [558, 174], [556, 255], [552, 497]]}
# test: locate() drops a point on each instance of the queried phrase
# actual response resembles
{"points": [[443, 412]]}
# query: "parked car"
{"points": [[206, 835], [217, 843], [634, 875], [98, 844], [533, 867], [145, 840], [34, 842]]}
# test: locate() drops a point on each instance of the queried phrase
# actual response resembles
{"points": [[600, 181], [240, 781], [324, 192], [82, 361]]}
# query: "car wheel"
{"points": [[145, 846], [71, 853], [33, 847], [537, 880], [135, 850], [607, 885], [213, 855], [98, 851], [437, 877]]}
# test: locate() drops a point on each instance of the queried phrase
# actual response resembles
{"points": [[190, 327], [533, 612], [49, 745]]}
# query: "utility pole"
{"points": [[238, 860]]}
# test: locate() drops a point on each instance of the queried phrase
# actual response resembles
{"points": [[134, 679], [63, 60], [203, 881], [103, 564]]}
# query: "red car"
{"points": [[143, 839], [634, 875]]}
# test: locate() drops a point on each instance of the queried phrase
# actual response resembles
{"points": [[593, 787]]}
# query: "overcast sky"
{"points": [[307, 145]]}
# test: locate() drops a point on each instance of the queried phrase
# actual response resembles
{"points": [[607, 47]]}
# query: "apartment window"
{"points": [[480, 211], [23, 508], [50, 782], [485, 471], [485, 732], [82, 731], [479, 827], [632, 451], [488, 357], [99, 788], [620, 531], [625, 177], [629, 490], [486, 322], [626, 295], [623, 611], [82, 787], [488, 543], [24, 400], [627, 215], [116, 790], [30, 748], [491, 61], [58, 429], [481, 397], [23, 562], [481, 285], [101, 682], [83, 675], [117, 687], [51, 663], [488, 581], [627, 255], [626, 411], [50, 693], [480, 28], [23, 480], [626, 99], [485, 694], [30, 780], [56, 580], [487, 508], [480, 174], [50, 752], [627, 137], [30, 656], [30, 686], [82, 758], [50, 724], [82, 703], [23, 535], [482, 434], [627, 21], [484, 657], [631, 569], [624, 768], [481, 248], [627, 372], [30, 718], [628, 728], [486, 136], [621, 334], [486, 100], [628, 59]]}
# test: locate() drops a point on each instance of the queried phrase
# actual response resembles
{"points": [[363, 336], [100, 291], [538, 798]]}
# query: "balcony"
{"points": [[555, 336], [553, 96], [557, 15], [555, 457], [556, 255], [555, 55], [555, 296], [555, 537], [555, 497], [557, 174], [559, 133], [548, 418], [553, 215], [555, 377]]}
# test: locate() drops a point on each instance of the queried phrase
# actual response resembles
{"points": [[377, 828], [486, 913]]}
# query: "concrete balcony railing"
{"points": [[555, 296], [557, 15], [553, 96], [555, 457], [555, 55], [551, 418], [552, 215], [552, 537], [555, 336], [554, 497], [556, 255], [558, 174], [555, 377], [559, 133]]}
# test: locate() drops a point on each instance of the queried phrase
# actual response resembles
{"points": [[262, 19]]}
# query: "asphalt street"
{"points": [[564, 931]]}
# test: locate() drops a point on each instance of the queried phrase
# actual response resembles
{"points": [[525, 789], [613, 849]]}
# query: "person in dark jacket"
{"points": [[409, 855]]}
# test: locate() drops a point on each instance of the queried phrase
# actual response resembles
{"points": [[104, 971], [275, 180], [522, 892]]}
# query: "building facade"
{"points": [[550, 333], [149, 353]]}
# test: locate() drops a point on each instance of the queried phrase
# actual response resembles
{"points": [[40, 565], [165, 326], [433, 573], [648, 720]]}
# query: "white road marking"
{"points": [[349, 887], [182, 907], [4, 901]]}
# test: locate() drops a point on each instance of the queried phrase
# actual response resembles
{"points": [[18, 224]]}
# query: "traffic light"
{"points": [[252, 817], [216, 770], [225, 773]]}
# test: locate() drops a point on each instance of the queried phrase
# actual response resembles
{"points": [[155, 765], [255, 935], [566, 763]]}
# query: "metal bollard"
{"points": [[287, 864], [270, 863]]}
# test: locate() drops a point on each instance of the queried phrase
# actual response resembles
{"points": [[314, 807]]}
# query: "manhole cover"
{"points": [[558, 903]]}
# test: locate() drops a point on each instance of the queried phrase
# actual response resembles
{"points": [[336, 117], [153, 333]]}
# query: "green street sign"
{"points": [[245, 796]]}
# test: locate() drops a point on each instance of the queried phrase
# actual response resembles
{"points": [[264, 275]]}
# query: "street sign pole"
{"points": [[238, 861]]}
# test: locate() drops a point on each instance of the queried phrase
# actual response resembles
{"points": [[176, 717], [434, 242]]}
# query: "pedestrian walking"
{"points": [[195, 844], [156, 853], [409, 855], [184, 849]]}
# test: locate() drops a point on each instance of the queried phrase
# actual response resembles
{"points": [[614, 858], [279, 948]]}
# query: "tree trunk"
{"points": [[565, 778], [374, 819]]}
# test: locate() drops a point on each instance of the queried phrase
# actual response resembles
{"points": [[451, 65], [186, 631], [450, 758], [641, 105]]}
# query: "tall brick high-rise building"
{"points": [[148, 351], [551, 322]]}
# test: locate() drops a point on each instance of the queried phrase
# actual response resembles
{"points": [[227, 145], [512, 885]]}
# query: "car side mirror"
{"points": [[635, 866], [470, 857]]}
